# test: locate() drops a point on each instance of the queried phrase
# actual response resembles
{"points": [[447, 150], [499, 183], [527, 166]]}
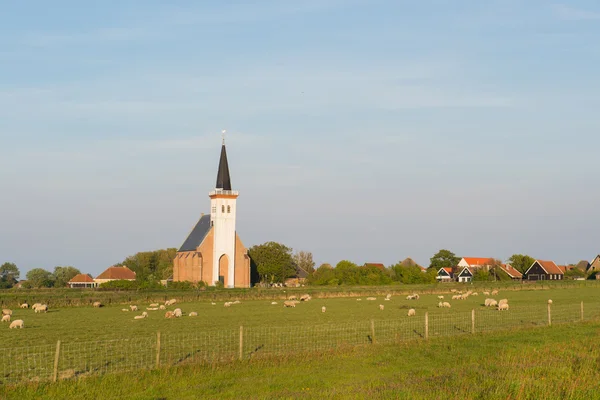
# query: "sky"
{"points": [[366, 130]]}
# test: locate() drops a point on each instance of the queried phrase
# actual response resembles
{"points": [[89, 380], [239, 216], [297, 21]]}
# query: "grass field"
{"points": [[559, 362], [107, 340]]}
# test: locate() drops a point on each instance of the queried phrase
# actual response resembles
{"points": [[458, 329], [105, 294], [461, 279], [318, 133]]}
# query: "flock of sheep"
{"points": [[18, 323]]}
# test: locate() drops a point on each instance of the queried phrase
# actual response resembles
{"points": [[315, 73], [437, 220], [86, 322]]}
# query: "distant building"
{"points": [[379, 266], [466, 275], [82, 281], [512, 272], [476, 262], [542, 270], [115, 274], [445, 275]]}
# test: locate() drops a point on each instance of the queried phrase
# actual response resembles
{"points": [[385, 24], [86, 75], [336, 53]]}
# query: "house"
{"points": [[445, 275], [542, 270], [115, 274], [297, 280], [376, 265], [82, 281], [512, 272], [213, 251], [476, 262], [409, 262], [19, 285], [466, 275], [594, 265]]}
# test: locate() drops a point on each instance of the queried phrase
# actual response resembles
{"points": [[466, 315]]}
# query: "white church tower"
{"points": [[222, 218]]}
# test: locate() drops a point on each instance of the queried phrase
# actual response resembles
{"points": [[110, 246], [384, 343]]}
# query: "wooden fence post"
{"points": [[372, 332], [158, 349], [549, 316], [582, 310], [426, 325], [473, 321], [241, 342], [56, 356]]}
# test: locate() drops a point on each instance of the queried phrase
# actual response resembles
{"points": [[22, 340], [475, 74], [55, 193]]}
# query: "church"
{"points": [[213, 251]]}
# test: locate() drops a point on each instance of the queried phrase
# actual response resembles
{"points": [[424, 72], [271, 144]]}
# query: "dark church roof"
{"points": [[223, 179], [197, 234]]}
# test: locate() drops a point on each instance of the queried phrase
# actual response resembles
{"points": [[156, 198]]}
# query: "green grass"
{"points": [[559, 362]]}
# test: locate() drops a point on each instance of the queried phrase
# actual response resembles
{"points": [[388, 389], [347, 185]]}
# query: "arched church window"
{"points": [[228, 209], [222, 209]]}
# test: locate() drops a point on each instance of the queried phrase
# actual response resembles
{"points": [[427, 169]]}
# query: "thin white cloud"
{"points": [[566, 12]]}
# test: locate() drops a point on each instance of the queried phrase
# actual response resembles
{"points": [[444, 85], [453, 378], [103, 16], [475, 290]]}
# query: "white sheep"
{"points": [[550, 301], [487, 302], [162, 307], [493, 303], [144, 315], [486, 293], [323, 309], [6, 318], [371, 298], [453, 290], [502, 306], [289, 304], [24, 305], [474, 294], [17, 323], [440, 297], [169, 314], [440, 304], [358, 299], [292, 297], [446, 304], [388, 296], [456, 297], [236, 302], [193, 314], [494, 292], [152, 308], [125, 309], [227, 304], [6, 311], [133, 308], [305, 297], [153, 305], [97, 304], [41, 308], [412, 312], [503, 301], [273, 303], [170, 302], [177, 312], [381, 307], [36, 305], [213, 303]]}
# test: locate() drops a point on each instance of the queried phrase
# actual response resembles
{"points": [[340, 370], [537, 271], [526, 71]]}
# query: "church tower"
{"points": [[222, 218], [213, 252]]}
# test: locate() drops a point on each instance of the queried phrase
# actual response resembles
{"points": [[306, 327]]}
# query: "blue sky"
{"points": [[362, 130]]}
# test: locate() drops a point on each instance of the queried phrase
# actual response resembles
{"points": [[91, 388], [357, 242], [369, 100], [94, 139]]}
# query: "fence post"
{"points": [[241, 342], [549, 316], [582, 310], [158, 349], [56, 356], [473, 321], [372, 331], [426, 325]]}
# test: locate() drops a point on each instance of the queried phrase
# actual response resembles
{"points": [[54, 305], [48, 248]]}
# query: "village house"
{"points": [[512, 272], [542, 270], [121, 273], [445, 275], [82, 281]]}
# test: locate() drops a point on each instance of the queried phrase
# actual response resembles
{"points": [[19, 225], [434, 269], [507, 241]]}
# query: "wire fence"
{"points": [[80, 359]]}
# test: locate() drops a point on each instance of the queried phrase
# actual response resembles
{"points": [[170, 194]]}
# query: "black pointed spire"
{"points": [[223, 179]]}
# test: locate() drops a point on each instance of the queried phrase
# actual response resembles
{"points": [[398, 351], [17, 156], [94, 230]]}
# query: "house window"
{"points": [[228, 209], [222, 209], [214, 209]]}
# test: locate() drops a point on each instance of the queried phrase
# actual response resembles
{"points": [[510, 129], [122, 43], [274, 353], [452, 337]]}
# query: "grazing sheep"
{"points": [[227, 304], [440, 304], [214, 304], [193, 314], [125, 309], [133, 308], [440, 297], [550, 301], [24, 305], [371, 298], [169, 314], [412, 312], [388, 296], [487, 302], [463, 296], [503, 301], [289, 304], [292, 298], [453, 290], [162, 307], [6, 318], [17, 323], [177, 312], [446, 304], [236, 302], [153, 305], [456, 297], [273, 303], [474, 294], [494, 292], [412, 297], [170, 302], [493, 303], [144, 315], [41, 308], [381, 307], [502, 306], [486, 293], [305, 297], [152, 308], [36, 305], [6, 311], [97, 304], [358, 299], [323, 309]]}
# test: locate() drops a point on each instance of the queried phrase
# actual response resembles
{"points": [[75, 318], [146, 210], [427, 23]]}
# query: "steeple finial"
{"points": [[223, 133]]}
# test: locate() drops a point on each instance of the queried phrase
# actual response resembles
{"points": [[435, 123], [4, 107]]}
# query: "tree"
{"points": [[274, 261], [575, 273], [39, 277], [521, 262], [304, 260], [9, 275], [62, 275], [151, 265], [442, 259]]}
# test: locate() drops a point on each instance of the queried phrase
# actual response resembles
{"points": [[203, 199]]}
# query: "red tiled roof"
{"points": [[512, 272], [550, 267], [81, 278], [117, 273], [473, 261], [448, 269], [377, 265]]}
